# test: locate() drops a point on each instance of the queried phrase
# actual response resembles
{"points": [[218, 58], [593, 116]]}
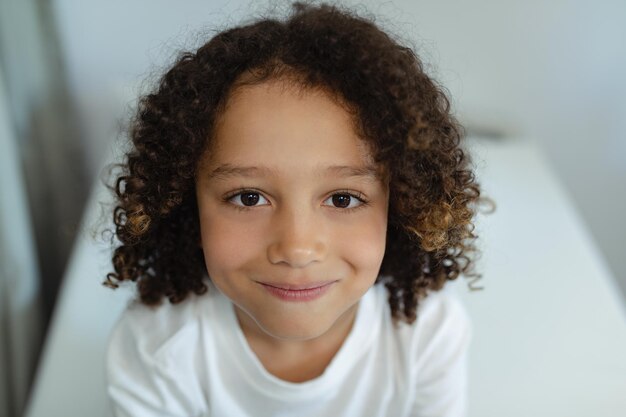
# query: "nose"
{"points": [[298, 239]]}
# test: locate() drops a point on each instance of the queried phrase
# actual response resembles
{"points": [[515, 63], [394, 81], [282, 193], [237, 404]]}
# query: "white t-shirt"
{"points": [[192, 359]]}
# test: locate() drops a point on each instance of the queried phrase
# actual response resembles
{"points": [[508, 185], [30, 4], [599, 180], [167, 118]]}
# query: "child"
{"points": [[297, 191]]}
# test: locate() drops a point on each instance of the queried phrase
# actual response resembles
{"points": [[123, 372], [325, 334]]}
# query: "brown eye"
{"points": [[249, 199], [347, 201], [341, 200], [245, 199]]}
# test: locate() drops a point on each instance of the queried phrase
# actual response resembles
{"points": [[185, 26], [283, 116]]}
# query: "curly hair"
{"points": [[399, 111]]}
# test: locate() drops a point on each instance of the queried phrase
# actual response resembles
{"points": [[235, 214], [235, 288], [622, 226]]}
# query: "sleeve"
{"points": [[442, 370], [139, 383]]}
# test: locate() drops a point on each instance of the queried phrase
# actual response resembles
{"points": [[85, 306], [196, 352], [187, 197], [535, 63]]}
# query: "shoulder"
{"points": [[442, 310], [150, 330], [152, 361], [436, 309], [442, 328]]}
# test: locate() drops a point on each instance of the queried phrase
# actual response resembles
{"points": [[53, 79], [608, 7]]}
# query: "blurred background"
{"points": [[70, 73]]}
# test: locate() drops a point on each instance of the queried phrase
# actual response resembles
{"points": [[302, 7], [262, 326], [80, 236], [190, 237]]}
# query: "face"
{"points": [[277, 214]]}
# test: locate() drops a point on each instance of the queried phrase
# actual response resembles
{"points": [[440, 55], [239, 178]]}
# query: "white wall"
{"points": [[552, 71]]}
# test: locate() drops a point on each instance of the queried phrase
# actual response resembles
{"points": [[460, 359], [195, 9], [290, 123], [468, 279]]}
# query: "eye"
{"points": [[347, 201], [247, 198]]}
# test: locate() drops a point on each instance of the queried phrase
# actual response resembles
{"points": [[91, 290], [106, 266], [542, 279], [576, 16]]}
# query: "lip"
{"points": [[302, 292], [293, 287]]}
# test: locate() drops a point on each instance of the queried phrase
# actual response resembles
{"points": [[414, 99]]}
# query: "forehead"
{"points": [[288, 130]]}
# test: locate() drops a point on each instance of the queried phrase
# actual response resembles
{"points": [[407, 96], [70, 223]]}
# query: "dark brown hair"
{"points": [[400, 112]]}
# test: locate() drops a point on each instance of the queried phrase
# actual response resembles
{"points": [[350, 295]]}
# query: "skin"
{"points": [[294, 230]]}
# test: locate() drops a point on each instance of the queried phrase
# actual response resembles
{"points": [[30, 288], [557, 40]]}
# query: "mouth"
{"points": [[303, 292], [292, 287]]}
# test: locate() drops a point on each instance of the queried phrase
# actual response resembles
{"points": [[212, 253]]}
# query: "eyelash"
{"points": [[357, 195]]}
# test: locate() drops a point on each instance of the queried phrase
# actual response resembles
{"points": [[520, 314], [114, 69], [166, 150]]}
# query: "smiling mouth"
{"points": [[292, 287], [306, 292]]}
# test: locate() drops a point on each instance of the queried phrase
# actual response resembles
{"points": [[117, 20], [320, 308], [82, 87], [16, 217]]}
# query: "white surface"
{"points": [[550, 329], [550, 332]]}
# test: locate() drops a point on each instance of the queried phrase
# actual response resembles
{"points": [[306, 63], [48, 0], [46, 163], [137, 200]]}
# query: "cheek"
{"points": [[364, 245], [227, 246]]}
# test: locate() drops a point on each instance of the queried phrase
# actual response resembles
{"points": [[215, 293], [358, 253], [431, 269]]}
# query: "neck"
{"points": [[335, 336], [296, 360]]}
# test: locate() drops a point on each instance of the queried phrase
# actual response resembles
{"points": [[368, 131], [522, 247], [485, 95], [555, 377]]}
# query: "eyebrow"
{"points": [[227, 171]]}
